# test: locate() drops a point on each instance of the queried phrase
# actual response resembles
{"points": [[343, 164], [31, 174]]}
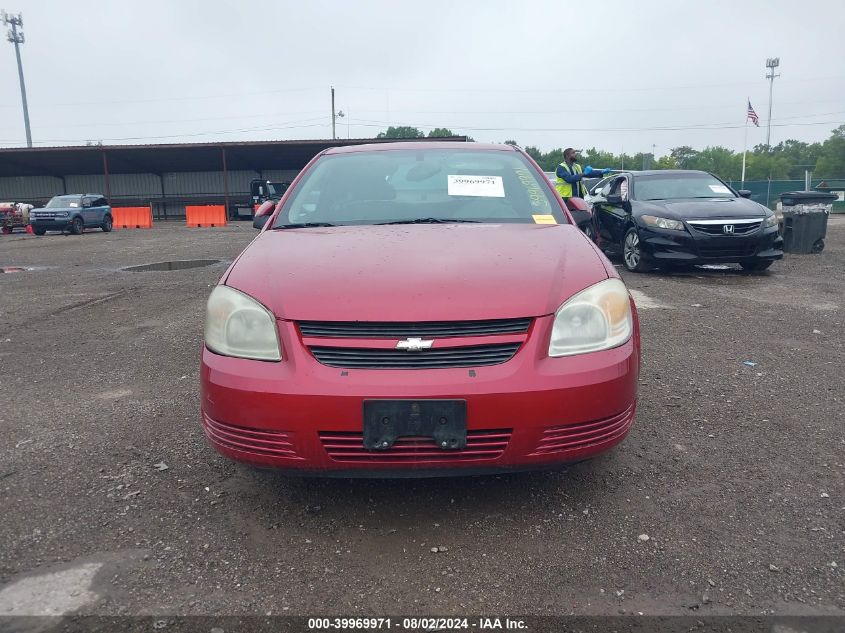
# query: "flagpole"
{"points": [[744, 150], [745, 141]]}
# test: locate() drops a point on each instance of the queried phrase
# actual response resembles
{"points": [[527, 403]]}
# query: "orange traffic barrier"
{"points": [[132, 217], [205, 215]]}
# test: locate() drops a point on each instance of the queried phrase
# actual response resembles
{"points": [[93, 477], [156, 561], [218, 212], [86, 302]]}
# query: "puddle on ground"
{"points": [[181, 264]]}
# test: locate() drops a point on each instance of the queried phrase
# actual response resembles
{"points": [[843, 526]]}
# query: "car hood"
{"points": [[59, 209], [417, 272], [697, 209]]}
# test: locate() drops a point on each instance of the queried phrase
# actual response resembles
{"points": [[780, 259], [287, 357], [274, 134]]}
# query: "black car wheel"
{"points": [[77, 226], [632, 255], [107, 224], [755, 266], [39, 231]]}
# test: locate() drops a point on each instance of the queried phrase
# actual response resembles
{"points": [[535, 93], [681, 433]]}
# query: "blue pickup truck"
{"points": [[72, 212]]}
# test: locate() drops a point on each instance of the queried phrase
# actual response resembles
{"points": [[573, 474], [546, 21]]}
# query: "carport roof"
{"points": [[158, 159]]}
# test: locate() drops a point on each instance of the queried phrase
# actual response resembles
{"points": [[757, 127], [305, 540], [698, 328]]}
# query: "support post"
{"points": [[106, 174], [225, 182]]}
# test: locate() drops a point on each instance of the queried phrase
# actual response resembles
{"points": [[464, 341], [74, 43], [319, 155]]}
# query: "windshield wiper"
{"points": [[302, 225], [428, 221]]}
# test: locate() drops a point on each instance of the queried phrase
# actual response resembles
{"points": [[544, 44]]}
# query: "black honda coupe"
{"points": [[677, 218]]}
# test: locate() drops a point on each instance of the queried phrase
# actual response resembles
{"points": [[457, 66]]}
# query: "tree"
{"points": [[441, 132], [720, 161], [684, 156], [401, 132], [831, 163], [514, 143]]}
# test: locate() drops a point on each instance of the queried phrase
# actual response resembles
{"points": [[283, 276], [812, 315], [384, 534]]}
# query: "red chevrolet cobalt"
{"points": [[419, 309]]}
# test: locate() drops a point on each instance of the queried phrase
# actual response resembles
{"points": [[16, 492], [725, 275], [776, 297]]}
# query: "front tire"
{"points": [[77, 226], [632, 256], [107, 224], [39, 231], [756, 267]]}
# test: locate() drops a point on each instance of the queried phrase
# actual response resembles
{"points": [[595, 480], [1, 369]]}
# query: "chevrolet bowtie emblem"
{"points": [[414, 344]]}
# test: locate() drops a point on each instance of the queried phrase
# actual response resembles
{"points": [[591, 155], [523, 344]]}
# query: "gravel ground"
{"points": [[726, 498]]}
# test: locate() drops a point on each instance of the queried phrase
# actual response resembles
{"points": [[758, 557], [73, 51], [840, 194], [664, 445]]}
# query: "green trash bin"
{"points": [[805, 216]]}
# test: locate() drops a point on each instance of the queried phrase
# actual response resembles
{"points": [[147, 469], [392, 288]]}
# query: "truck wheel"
{"points": [[107, 224], [7, 230], [632, 255], [77, 226], [39, 231]]}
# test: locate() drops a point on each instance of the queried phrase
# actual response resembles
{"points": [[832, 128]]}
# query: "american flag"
{"points": [[752, 115]]}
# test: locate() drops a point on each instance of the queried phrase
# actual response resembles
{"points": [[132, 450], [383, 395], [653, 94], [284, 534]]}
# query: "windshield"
{"points": [[427, 185], [674, 186], [64, 202]]}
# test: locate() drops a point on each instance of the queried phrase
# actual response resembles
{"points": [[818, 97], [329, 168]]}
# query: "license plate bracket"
{"points": [[385, 421]]}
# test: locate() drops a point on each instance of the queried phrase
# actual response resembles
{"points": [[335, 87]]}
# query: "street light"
{"points": [[771, 64], [17, 39]]}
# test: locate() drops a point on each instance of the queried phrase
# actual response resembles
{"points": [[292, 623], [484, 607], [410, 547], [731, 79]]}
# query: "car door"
{"points": [[89, 212], [603, 211], [99, 208], [612, 209]]}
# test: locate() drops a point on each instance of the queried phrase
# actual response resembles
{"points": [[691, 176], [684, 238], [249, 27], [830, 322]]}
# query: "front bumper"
{"points": [[51, 224], [530, 412], [691, 247]]}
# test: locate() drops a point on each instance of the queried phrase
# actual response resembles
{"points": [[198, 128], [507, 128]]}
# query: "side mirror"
{"points": [[260, 220], [744, 193]]}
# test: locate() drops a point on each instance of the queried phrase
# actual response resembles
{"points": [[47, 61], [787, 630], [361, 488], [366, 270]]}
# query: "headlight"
{"points": [[237, 325], [595, 319], [770, 221], [662, 223]]}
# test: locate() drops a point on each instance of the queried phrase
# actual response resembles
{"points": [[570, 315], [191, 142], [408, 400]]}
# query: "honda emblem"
{"points": [[728, 229]]}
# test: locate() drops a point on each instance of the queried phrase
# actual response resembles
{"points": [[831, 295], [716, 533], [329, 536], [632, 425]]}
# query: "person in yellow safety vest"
{"points": [[570, 174]]}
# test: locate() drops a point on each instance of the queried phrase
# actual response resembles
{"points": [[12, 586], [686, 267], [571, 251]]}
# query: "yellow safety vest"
{"points": [[564, 188]]}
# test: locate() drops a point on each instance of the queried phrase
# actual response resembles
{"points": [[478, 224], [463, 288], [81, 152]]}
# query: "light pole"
{"points": [[17, 39], [771, 64]]}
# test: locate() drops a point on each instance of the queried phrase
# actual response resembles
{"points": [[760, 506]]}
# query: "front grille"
{"points": [[585, 434], [370, 358], [349, 447], [400, 330], [256, 441], [722, 250], [718, 229]]}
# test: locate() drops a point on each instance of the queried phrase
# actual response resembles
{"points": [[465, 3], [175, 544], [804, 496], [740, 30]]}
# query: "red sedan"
{"points": [[419, 309]]}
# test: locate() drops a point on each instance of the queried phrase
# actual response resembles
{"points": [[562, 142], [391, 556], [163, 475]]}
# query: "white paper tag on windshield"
{"points": [[480, 186], [719, 189]]}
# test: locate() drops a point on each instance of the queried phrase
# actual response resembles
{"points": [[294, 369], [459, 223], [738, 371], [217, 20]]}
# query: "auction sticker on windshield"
{"points": [[719, 189], [479, 186], [544, 219]]}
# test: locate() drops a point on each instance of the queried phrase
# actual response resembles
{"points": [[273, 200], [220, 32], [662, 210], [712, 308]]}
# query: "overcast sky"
{"points": [[547, 73]]}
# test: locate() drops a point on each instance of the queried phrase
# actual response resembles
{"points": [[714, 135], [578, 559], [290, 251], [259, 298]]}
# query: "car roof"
{"points": [[666, 172], [419, 145]]}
